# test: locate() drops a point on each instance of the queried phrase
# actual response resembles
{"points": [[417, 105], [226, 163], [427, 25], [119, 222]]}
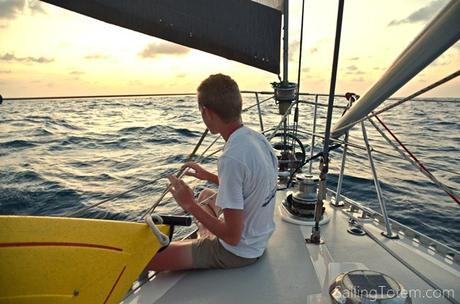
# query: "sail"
{"points": [[242, 30]]}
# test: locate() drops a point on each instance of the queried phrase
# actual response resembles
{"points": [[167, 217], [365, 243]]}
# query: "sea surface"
{"points": [[60, 156]]}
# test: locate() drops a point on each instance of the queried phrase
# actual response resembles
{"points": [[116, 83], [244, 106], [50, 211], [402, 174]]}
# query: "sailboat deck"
{"points": [[292, 271]]}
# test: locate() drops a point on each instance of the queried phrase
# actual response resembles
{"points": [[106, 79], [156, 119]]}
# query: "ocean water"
{"points": [[60, 156]]}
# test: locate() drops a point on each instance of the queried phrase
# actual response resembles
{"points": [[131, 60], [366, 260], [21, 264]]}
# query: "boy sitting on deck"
{"points": [[236, 224]]}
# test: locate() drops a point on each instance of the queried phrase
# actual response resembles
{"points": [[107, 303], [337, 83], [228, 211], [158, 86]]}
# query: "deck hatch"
{"points": [[367, 286]]}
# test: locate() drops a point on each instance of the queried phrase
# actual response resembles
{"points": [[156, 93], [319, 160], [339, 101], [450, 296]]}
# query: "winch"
{"points": [[302, 202]]}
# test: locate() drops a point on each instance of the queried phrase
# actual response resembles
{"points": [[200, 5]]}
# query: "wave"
{"points": [[36, 200], [159, 130], [163, 140], [131, 130], [70, 140], [179, 158], [17, 144], [42, 132], [51, 122], [65, 124], [39, 117]]}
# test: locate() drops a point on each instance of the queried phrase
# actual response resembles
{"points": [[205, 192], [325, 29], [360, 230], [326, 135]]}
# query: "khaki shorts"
{"points": [[209, 253]]}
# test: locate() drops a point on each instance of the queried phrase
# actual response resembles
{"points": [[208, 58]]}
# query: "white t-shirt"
{"points": [[247, 173]]}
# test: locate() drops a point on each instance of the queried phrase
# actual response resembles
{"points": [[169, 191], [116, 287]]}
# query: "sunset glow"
{"points": [[48, 51]]}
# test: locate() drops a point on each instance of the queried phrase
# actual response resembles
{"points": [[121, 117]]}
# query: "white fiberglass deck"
{"points": [[293, 272]]}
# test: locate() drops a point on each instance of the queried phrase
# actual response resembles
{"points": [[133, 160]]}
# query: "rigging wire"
{"points": [[420, 92], [414, 160], [299, 71]]}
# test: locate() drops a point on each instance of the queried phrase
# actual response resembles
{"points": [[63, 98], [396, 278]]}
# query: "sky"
{"points": [[48, 51]]}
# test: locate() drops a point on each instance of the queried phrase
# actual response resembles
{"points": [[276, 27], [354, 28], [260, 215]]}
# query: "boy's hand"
{"points": [[181, 192], [197, 171]]}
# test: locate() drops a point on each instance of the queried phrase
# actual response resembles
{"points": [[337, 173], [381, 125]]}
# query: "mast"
{"points": [[285, 92], [285, 41]]}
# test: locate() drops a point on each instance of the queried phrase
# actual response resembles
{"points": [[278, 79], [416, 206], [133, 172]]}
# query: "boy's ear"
{"points": [[209, 112]]}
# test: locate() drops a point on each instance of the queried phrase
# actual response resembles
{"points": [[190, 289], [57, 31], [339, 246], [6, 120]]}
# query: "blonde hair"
{"points": [[221, 94]]}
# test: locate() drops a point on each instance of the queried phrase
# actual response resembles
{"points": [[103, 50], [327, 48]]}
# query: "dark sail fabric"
{"points": [[240, 30]]}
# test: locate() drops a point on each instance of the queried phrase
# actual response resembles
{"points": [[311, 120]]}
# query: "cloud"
{"points": [[77, 73], [306, 73], [440, 62], [455, 47], [353, 70], [294, 45], [135, 82], [9, 9], [5, 71], [183, 75], [153, 50], [11, 57], [36, 7], [96, 57], [423, 14], [293, 49]]}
